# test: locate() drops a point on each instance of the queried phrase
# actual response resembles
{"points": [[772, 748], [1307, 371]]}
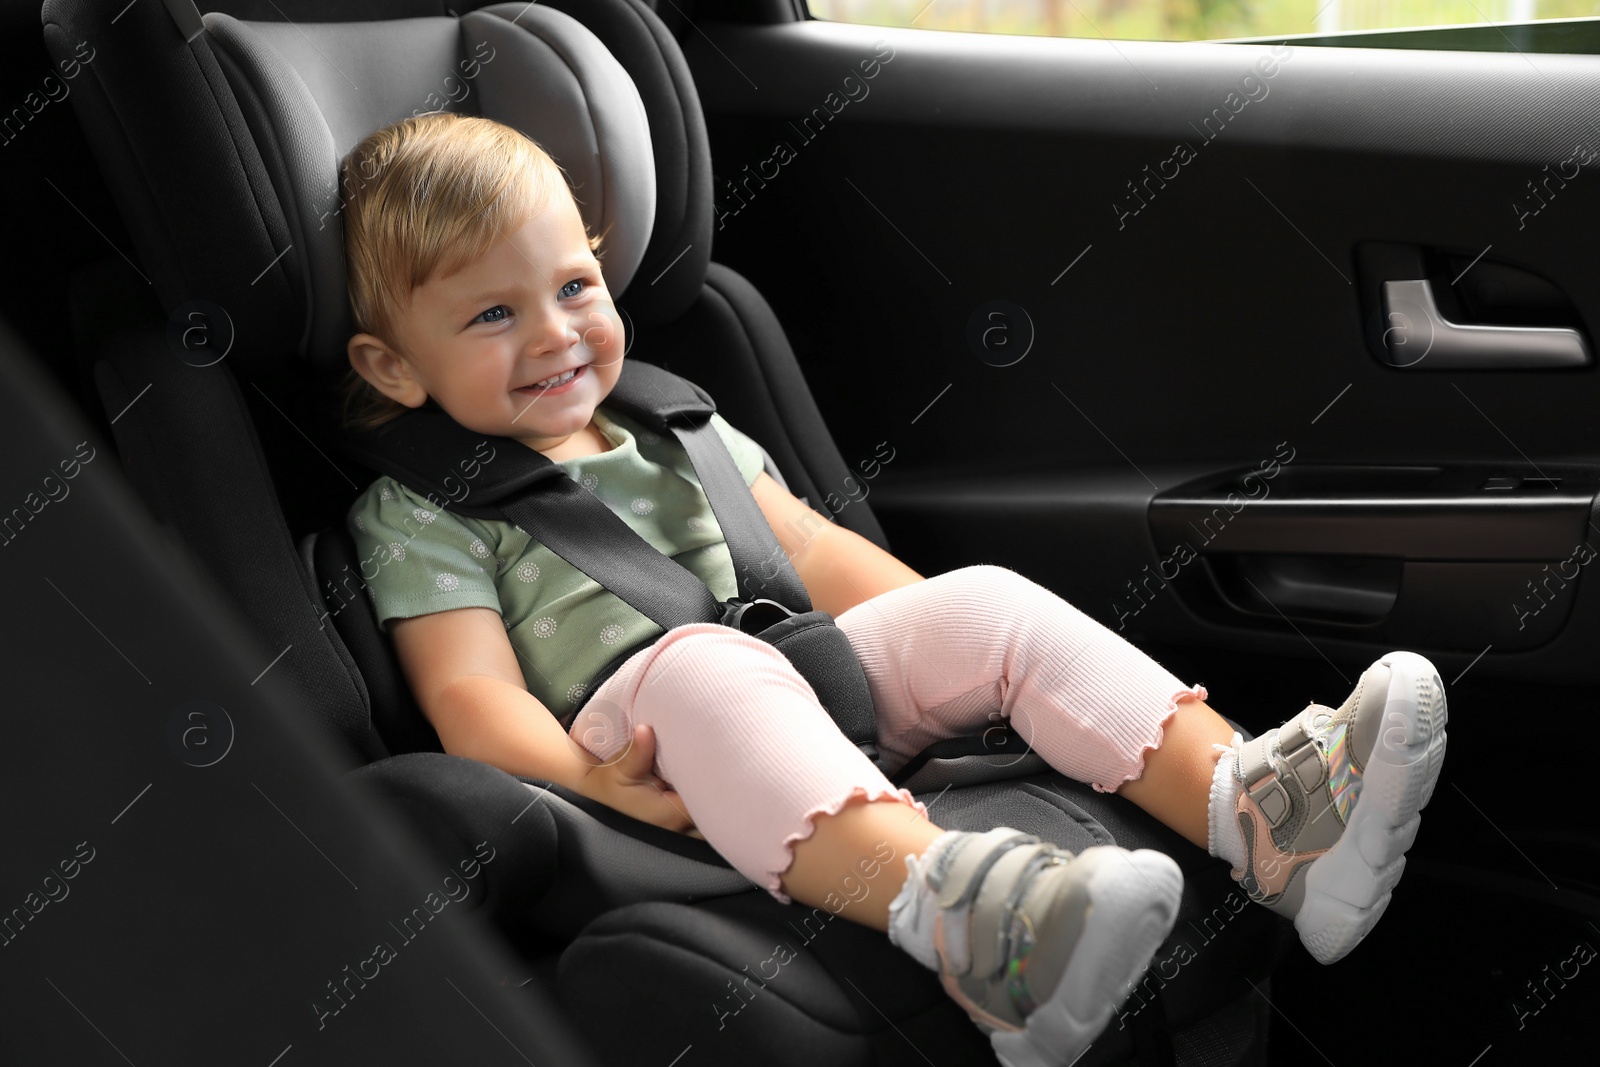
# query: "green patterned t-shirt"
{"points": [[563, 625]]}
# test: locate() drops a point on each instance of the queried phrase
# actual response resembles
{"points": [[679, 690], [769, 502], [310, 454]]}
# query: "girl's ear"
{"points": [[385, 370]]}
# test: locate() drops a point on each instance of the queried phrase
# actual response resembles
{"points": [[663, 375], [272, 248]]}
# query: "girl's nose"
{"points": [[555, 333]]}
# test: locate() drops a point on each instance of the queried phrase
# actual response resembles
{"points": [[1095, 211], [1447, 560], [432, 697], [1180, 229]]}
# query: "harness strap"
{"points": [[577, 526], [667, 402]]}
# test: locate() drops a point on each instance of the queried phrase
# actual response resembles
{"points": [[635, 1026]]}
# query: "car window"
{"points": [[1475, 25]]}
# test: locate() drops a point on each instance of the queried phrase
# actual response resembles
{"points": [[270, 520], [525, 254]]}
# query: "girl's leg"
{"points": [[1039, 950], [854, 864], [983, 643], [763, 770], [941, 653], [1176, 784]]}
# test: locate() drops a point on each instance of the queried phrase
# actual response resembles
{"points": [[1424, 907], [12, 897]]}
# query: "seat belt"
{"points": [[441, 460]]}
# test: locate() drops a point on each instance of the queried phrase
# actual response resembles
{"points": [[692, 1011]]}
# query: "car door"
{"points": [[1270, 356]]}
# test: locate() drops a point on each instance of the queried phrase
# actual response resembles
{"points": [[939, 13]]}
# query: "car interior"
{"points": [[980, 298]]}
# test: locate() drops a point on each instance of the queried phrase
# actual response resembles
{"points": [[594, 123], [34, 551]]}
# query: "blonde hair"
{"points": [[425, 196]]}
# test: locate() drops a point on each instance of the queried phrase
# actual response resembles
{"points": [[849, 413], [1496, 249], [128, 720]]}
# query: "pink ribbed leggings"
{"points": [[755, 757]]}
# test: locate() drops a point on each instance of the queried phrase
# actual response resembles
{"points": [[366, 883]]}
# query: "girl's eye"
{"points": [[564, 288], [491, 311]]}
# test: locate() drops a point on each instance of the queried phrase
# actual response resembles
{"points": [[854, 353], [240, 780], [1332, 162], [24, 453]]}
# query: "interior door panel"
{"points": [[1089, 293]]}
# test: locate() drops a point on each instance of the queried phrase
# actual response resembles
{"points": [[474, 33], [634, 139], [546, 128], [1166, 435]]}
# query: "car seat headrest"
{"points": [[311, 92]]}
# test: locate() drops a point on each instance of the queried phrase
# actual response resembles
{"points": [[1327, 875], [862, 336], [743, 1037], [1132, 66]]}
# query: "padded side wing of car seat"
{"points": [[731, 343], [604, 860], [674, 264], [457, 806], [330, 555], [609, 860]]}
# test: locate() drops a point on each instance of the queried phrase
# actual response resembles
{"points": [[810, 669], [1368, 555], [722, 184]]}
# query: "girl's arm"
{"points": [[838, 567], [463, 671], [464, 674]]}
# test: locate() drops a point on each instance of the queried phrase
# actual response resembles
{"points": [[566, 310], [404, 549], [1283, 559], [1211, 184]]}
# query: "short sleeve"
{"points": [[416, 558], [746, 453]]}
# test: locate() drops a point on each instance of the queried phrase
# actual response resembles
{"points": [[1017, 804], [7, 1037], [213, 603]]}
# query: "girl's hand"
{"points": [[628, 785]]}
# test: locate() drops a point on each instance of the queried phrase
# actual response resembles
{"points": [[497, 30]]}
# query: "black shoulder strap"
{"points": [[501, 478], [666, 401]]}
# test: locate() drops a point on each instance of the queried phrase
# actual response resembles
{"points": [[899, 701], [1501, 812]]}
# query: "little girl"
{"points": [[475, 285]]}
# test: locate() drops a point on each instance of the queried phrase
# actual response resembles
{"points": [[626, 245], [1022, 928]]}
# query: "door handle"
{"points": [[1416, 335]]}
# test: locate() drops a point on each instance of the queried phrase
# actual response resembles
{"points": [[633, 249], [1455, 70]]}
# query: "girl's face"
{"points": [[534, 306]]}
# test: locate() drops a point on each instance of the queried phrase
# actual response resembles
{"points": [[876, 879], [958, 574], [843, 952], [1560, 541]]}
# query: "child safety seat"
{"points": [[219, 136]]}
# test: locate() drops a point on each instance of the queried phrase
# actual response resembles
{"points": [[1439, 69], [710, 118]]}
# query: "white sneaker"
{"points": [[1329, 802], [1039, 946]]}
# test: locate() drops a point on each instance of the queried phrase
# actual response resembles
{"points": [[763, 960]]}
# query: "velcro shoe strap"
{"points": [[1309, 766], [1296, 732], [1255, 760], [1273, 800], [961, 866], [990, 917]]}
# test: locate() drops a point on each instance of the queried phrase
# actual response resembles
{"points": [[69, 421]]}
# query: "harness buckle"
{"points": [[753, 616]]}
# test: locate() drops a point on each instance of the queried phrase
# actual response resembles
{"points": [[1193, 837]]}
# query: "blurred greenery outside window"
{"points": [[1192, 20]]}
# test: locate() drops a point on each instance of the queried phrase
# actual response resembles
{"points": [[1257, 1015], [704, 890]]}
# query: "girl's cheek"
{"points": [[601, 331]]}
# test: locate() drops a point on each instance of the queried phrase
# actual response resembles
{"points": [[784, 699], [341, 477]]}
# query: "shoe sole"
{"points": [[1128, 923], [1348, 887]]}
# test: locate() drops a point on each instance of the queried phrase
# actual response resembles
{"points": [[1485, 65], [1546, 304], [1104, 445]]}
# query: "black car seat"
{"points": [[219, 137]]}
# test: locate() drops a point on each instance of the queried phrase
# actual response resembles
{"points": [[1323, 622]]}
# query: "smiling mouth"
{"points": [[556, 382]]}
